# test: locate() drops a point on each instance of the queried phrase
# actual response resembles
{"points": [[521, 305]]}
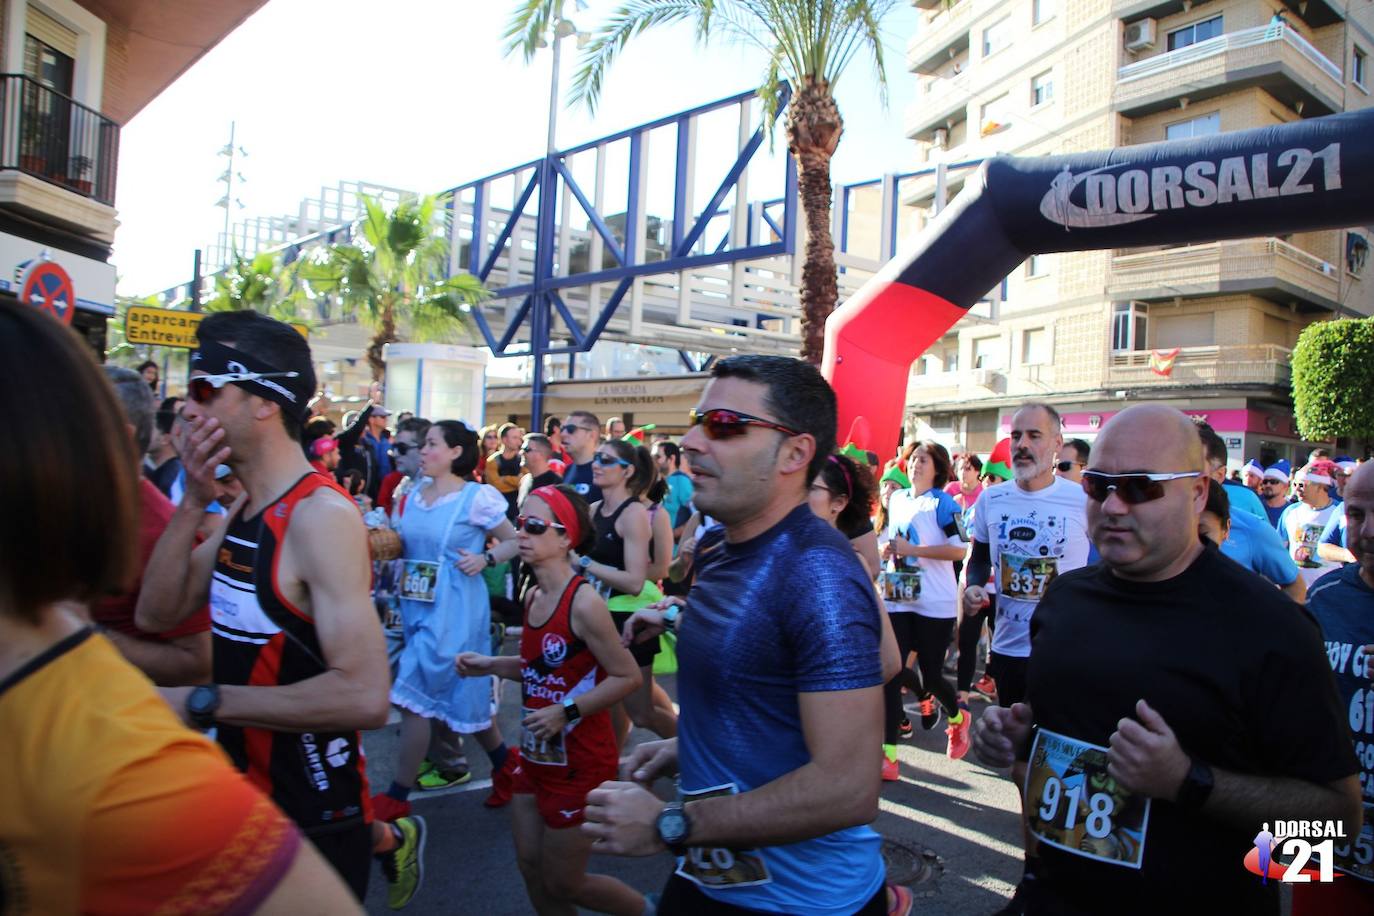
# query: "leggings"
{"points": [[930, 637], [970, 631]]}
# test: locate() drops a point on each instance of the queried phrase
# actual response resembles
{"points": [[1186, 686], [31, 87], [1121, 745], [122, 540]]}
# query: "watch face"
{"points": [[673, 826], [202, 700]]}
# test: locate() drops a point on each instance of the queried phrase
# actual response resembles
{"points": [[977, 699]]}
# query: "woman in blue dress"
{"points": [[445, 609]]}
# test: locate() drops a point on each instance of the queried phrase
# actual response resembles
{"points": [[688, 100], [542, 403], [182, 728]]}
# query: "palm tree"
{"points": [[264, 284], [807, 43], [396, 277]]}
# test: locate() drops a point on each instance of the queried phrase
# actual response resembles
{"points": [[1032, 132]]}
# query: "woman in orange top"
{"points": [[112, 806]]}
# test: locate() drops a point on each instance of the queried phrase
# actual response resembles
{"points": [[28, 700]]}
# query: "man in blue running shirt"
{"points": [[779, 679]]}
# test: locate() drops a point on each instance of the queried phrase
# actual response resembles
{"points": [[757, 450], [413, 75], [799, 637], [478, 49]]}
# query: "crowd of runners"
{"points": [[1165, 655]]}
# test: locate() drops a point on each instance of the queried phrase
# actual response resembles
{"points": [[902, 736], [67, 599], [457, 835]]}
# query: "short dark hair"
{"points": [[1218, 502], [273, 342], [417, 425], [1213, 447], [70, 529], [552, 425], [545, 446], [458, 435], [591, 418], [843, 477], [1080, 448], [505, 428], [974, 461], [146, 364], [167, 413], [645, 472], [672, 450], [796, 394], [137, 400], [316, 427], [1055, 419]]}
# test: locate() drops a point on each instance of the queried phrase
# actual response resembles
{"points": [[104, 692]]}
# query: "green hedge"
{"points": [[1333, 379]]}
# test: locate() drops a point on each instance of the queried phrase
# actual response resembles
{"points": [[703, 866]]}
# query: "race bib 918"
{"points": [[418, 580], [1073, 804], [719, 867], [1026, 578]]}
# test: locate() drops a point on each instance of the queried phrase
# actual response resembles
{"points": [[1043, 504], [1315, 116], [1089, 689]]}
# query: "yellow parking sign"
{"points": [[144, 324]]}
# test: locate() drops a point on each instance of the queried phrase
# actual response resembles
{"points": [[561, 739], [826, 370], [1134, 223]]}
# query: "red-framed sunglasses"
{"points": [[205, 388], [536, 526], [719, 423]]}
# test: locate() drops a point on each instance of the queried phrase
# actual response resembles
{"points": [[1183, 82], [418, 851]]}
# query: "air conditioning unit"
{"points": [[1140, 35], [941, 138], [985, 378]]}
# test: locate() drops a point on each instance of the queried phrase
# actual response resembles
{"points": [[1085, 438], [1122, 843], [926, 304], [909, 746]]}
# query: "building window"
{"points": [[1358, 60], [995, 114], [1041, 10], [1042, 88], [1201, 126], [1192, 34], [1035, 347], [997, 36], [987, 353], [1129, 326], [1038, 265]]}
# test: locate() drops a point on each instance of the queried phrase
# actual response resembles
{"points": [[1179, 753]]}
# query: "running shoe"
{"points": [[958, 736], [904, 730], [404, 866], [987, 687], [930, 712], [891, 771], [502, 781], [436, 778], [386, 808]]}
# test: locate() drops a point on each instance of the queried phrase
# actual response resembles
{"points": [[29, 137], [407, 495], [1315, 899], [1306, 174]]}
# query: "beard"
{"points": [[1027, 472]]}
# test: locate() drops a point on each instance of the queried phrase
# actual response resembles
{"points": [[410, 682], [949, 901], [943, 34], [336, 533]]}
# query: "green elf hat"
{"points": [[636, 435], [895, 473], [856, 454], [999, 462]]}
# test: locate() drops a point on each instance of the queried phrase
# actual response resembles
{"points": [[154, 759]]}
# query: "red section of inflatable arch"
{"points": [[870, 343]]}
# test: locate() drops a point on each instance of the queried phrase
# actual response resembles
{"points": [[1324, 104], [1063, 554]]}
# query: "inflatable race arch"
{"points": [[1312, 174]]}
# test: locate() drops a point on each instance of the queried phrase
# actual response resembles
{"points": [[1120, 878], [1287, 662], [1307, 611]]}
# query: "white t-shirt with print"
{"points": [[1301, 526], [921, 584], [1033, 537]]}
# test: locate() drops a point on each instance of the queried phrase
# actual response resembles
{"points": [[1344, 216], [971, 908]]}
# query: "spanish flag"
{"points": [[1162, 361]]}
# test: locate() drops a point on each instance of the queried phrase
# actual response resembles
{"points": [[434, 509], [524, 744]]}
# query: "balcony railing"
{"points": [[53, 137], [1222, 44], [1266, 364], [1209, 267], [947, 27]]}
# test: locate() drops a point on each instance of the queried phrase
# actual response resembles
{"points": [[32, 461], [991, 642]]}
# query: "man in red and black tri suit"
{"points": [[298, 657]]}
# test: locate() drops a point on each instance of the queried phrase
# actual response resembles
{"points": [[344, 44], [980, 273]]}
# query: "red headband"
{"points": [[562, 510]]}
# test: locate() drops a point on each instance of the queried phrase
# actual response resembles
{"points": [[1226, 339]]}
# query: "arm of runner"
{"points": [[976, 574], [311, 886], [661, 528], [633, 528], [647, 622], [649, 761], [474, 664], [867, 546], [173, 588], [904, 548], [1001, 737], [328, 547], [473, 563], [891, 653], [1334, 553], [167, 663], [826, 794], [592, 623]]}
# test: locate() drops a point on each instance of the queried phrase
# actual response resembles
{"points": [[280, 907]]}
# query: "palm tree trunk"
{"points": [[814, 127], [385, 334]]}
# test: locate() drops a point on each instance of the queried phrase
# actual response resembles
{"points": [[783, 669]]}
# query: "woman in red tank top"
{"points": [[572, 668]]}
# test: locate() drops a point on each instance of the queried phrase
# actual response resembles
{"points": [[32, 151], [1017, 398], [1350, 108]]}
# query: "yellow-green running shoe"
{"points": [[404, 866], [436, 778]]}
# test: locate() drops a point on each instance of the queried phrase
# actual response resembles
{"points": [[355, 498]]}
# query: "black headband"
{"points": [[215, 358]]}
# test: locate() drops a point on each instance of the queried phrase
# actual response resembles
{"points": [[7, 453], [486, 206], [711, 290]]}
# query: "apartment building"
{"points": [[1081, 330], [74, 72]]}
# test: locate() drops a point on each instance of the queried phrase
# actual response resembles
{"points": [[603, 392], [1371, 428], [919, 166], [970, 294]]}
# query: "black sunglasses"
{"points": [[610, 461], [400, 448], [536, 526], [1133, 489], [1066, 466], [719, 423]]}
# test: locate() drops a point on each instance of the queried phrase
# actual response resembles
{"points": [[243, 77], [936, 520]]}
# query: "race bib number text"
{"points": [[900, 585], [1073, 804], [546, 751], [1027, 578], [418, 580], [719, 867]]}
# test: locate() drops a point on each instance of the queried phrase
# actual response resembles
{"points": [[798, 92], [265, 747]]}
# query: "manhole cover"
{"points": [[910, 863]]}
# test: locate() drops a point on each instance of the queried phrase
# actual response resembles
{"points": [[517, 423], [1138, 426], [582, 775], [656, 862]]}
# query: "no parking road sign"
{"points": [[45, 285]]}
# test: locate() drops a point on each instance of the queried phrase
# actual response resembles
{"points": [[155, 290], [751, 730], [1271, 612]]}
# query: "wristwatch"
{"points": [[584, 562], [674, 827], [570, 710], [1196, 787], [671, 615], [201, 705]]}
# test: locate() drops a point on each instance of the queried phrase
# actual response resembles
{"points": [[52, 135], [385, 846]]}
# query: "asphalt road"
{"points": [[951, 828]]}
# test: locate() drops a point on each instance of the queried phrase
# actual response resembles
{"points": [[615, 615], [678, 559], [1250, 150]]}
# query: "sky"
{"points": [[416, 94]]}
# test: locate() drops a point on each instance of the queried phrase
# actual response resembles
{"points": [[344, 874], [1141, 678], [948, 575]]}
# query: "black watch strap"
{"points": [[1196, 787], [202, 705]]}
